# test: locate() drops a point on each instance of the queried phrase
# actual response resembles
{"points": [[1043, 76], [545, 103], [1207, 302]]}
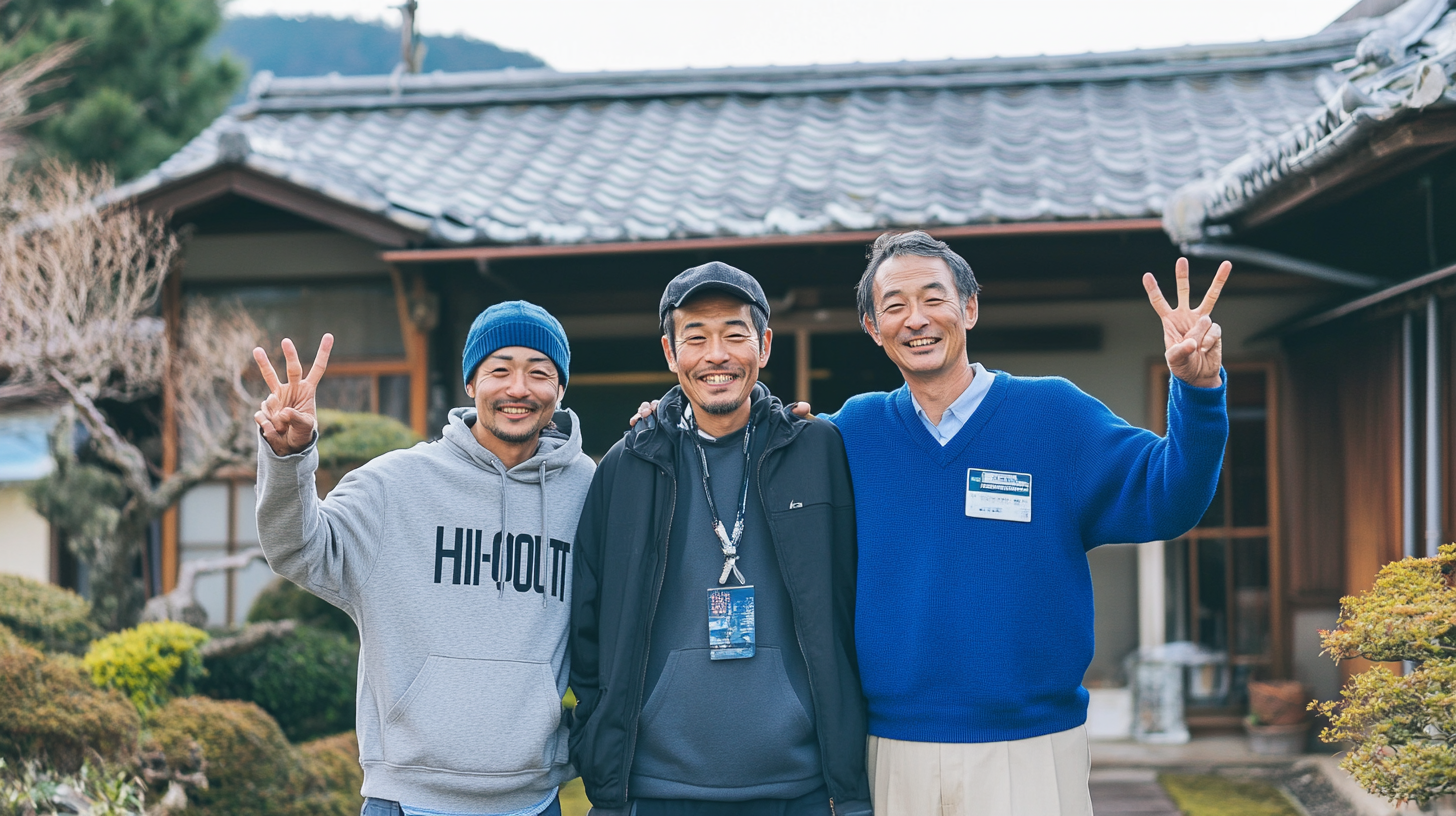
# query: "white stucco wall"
{"points": [[25, 537]]}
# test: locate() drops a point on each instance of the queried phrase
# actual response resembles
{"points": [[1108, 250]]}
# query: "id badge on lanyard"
{"points": [[730, 622], [730, 609]]}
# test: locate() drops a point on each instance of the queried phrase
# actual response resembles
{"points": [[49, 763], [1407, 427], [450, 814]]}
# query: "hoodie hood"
{"points": [[560, 446]]}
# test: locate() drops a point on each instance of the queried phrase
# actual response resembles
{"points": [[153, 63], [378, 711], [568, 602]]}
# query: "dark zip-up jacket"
{"points": [[620, 558]]}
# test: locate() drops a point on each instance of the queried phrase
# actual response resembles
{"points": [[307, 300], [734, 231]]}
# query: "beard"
{"points": [[721, 408], [517, 437]]}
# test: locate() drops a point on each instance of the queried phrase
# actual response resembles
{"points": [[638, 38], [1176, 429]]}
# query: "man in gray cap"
{"points": [[713, 590]]}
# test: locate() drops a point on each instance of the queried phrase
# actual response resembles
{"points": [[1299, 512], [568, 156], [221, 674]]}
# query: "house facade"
{"points": [[392, 210]]}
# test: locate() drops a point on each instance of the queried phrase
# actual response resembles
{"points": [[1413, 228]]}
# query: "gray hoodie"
{"points": [[458, 574]]}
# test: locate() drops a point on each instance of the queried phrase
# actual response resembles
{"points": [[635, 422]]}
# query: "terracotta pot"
{"points": [[1278, 702]]}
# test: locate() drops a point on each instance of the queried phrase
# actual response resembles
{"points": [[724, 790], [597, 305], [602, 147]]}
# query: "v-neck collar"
{"points": [[943, 455]]}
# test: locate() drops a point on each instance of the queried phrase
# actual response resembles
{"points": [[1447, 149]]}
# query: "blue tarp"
{"points": [[25, 447]]}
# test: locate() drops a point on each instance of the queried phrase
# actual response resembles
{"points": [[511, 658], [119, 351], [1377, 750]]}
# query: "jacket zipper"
{"points": [[808, 668], [647, 641]]}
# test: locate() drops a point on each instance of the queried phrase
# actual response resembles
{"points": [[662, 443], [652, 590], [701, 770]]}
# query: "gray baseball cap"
{"points": [[714, 276]]}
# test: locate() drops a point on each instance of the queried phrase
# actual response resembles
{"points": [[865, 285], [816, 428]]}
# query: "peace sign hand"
{"points": [[1193, 342], [288, 416]]}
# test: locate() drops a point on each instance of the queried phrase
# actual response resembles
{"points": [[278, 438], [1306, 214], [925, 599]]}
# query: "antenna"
{"points": [[411, 50]]}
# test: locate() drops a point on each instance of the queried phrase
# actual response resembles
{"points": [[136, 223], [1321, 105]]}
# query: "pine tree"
{"points": [[141, 85]]}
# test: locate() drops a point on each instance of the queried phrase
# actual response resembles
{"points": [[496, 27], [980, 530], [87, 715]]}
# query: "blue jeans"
{"points": [[384, 807]]}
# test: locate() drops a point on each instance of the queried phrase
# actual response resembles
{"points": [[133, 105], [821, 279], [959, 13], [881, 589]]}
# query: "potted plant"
{"points": [[1277, 723]]}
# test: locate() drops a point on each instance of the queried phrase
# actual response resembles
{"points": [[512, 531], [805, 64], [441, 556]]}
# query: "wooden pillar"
{"points": [[802, 374], [172, 317], [416, 318]]}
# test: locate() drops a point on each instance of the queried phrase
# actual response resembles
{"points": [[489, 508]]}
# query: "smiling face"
{"points": [[516, 390], [919, 320], [717, 356]]}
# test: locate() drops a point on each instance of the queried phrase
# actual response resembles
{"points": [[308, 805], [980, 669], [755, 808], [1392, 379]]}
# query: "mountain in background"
{"points": [[315, 46]]}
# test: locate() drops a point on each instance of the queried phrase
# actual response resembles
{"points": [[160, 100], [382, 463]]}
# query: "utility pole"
{"points": [[411, 50]]}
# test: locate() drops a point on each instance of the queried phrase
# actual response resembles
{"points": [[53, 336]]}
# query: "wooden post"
{"points": [[172, 317], [416, 343], [802, 375]]}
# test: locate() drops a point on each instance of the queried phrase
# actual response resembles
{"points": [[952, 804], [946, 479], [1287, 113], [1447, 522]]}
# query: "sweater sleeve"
{"points": [[1137, 486], [327, 547]]}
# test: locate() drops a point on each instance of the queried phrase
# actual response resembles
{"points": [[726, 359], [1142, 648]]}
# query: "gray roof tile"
{"points": [[537, 156]]}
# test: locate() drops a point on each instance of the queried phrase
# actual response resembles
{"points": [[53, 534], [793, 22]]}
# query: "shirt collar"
{"points": [[960, 407]]}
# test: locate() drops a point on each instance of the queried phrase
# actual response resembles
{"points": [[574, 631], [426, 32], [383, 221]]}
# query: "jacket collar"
{"points": [[656, 437]]}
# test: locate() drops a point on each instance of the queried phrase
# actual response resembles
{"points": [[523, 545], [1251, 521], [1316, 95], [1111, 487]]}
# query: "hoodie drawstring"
{"points": [[500, 584], [545, 541]]}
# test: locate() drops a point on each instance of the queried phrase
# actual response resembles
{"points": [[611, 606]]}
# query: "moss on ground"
{"points": [[1204, 795]]}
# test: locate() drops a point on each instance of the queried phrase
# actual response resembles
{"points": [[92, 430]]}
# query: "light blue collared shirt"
{"points": [[959, 412]]}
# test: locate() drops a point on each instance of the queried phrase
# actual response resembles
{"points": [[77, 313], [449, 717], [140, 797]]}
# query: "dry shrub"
{"points": [[45, 615], [251, 767], [50, 711], [332, 776]]}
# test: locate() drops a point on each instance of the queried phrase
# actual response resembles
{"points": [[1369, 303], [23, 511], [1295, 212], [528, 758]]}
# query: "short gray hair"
{"points": [[893, 244]]}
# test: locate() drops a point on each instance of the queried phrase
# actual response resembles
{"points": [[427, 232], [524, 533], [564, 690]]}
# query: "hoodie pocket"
{"points": [[476, 716], [726, 723]]}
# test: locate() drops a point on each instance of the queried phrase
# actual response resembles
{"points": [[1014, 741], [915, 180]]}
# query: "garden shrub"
{"points": [[331, 767], [251, 767], [284, 600], [348, 438], [50, 711], [305, 680], [49, 617], [150, 664], [1402, 728]]}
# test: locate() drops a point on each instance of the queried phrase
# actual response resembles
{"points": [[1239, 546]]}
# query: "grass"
{"points": [[573, 799], [1201, 795]]}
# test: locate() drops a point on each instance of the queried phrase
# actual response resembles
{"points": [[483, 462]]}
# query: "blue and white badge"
{"points": [[997, 494], [730, 622]]}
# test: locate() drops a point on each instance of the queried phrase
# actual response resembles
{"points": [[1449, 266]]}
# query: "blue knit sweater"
{"points": [[979, 630]]}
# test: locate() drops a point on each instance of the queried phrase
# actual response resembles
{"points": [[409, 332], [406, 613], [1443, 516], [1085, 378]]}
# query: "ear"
{"points": [[872, 330], [470, 390], [667, 353], [560, 395], [767, 347], [973, 311]]}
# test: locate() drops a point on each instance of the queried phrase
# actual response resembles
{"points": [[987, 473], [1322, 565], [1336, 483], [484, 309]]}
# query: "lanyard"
{"points": [[728, 542]]}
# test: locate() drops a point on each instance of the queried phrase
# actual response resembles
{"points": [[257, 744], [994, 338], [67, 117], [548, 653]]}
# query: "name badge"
{"points": [[730, 622], [996, 494]]}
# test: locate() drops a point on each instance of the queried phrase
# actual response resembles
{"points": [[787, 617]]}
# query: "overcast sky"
{"points": [[594, 35]]}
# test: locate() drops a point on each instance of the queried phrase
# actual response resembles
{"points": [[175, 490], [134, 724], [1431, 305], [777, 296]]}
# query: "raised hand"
{"points": [[1193, 343], [288, 416]]}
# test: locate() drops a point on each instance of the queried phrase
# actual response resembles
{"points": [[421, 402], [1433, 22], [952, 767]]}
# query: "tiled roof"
{"points": [[1406, 64], [546, 157]]}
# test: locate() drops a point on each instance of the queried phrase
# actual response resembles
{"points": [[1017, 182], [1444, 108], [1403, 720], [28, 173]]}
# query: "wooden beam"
{"points": [[802, 373], [250, 184], [1404, 148], [417, 350], [1033, 228]]}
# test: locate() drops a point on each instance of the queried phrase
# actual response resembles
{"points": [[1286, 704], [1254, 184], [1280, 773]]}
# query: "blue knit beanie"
{"points": [[516, 323]]}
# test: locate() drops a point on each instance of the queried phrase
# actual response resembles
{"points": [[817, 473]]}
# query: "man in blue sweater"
{"points": [[977, 496]]}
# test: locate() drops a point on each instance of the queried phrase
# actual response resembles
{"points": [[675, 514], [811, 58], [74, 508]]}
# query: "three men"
{"points": [[454, 559], [712, 631], [977, 495]]}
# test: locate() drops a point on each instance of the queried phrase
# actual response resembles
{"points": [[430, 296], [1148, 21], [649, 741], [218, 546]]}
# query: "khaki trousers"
{"points": [[1040, 776]]}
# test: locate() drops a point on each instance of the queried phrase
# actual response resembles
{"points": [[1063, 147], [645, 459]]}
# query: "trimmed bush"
{"points": [[348, 438], [251, 767], [150, 664], [49, 617], [50, 711], [284, 600], [305, 680], [331, 766]]}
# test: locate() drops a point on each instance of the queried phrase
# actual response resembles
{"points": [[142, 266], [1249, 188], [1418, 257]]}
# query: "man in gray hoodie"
{"points": [[454, 559]]}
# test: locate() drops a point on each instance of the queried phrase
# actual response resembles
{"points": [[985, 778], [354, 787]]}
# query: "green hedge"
{"points": [[46, 616], [333, 776], [352, 438], [150, 663], [305, 680], [284, 600], [50, 711]]}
